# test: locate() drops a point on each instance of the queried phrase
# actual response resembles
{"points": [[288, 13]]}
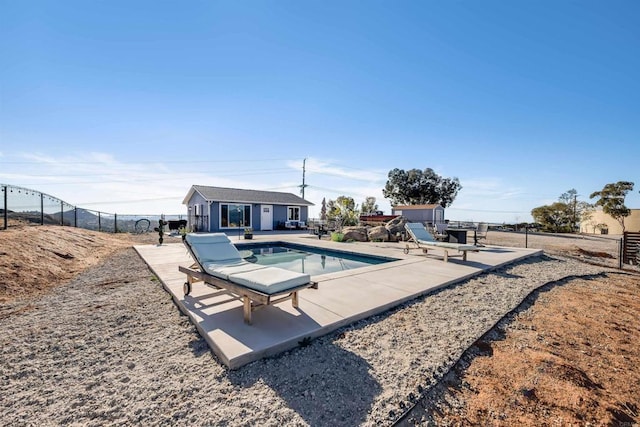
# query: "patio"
{"points": [[341, 298]]}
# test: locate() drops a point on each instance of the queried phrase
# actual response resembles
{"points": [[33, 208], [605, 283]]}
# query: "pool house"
{"points": [[220, 209]]}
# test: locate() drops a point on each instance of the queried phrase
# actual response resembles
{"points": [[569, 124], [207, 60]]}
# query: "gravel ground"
{"points": [[110, 347]]}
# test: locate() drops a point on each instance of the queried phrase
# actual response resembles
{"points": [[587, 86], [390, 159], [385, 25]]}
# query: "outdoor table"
{"points": [[457, 235]]}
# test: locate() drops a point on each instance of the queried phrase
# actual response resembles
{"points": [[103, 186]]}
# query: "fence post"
{"points": [[6, 215], [61, 212], [526, 236], [115, 222], [99, 222], [41, 208], [620, 255], [75, 216]]}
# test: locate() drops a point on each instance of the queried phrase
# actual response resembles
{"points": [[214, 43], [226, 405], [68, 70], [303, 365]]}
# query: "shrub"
{"points": [[337, 237]]}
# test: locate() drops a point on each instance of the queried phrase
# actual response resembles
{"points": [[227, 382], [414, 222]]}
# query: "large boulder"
{"points": [[396, 226], [359, 234], [379, 233]]}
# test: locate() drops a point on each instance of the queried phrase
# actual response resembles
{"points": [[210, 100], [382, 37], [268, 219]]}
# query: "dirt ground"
{"points": [[568, 356], [571, 358], [34, 259]]}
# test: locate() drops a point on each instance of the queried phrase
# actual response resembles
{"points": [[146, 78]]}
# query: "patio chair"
{"points": [[440, 231], [425, 241], [219, 264], [480, 233]]}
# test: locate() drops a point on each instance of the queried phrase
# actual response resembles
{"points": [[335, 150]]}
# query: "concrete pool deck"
{"points": [[341, 298]]}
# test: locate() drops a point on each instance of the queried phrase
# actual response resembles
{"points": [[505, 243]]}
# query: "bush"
{"points": [[337, 237]]}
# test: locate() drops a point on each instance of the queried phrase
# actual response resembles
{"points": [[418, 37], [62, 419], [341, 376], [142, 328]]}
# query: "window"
{"points": [[293, 213], [234, 216]]}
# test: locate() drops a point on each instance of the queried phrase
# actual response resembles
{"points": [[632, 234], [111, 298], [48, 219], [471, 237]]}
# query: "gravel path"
{"points": [[110, 347]]}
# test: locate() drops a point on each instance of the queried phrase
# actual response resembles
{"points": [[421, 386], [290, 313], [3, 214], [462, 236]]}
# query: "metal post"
{"points": [[115, 223], [61, 212], [526, 236], [75, 216], [6, 215], [99, 222], [41, 209], [575, 217], [620, 255]]}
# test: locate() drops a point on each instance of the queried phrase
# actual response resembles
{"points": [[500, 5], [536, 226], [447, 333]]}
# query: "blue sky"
{"points": [[122, 106]]}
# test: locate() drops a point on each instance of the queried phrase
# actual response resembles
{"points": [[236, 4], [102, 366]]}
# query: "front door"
{"points": [[266, 217]]}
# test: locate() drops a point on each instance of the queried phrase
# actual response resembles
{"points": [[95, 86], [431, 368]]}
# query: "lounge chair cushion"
{"points": [[223, 271], [207, 238], [213, 247], [218, 257], [270, 280]]}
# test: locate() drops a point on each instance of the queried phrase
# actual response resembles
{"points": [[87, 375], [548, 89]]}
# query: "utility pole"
{"points": [[302, 187]]}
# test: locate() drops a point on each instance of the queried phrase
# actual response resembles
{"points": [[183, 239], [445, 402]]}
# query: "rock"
{"points": [[379, 233], [359, 234], [396, 226], [529, 393]]}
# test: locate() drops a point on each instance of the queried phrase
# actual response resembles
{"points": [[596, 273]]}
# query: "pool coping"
{"points": [[342, 297]]}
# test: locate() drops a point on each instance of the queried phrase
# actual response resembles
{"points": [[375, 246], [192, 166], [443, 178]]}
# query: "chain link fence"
{"points": [[23, 206]]}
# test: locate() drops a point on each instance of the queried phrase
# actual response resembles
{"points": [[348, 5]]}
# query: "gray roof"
{"points": [[221, 194]]}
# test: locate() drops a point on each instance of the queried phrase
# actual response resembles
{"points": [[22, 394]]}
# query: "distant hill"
{"points": [[90, 220], [32, 217]]}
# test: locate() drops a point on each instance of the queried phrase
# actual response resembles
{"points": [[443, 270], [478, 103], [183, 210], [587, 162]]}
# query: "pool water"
{"points": [[308, 259]]}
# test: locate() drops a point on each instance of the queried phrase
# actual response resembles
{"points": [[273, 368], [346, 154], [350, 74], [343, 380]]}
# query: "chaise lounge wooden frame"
{"points": [[251, 299], [424, 240]]}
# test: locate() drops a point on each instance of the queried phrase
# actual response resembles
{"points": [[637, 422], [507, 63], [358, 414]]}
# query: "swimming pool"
{"points": [[308, 259]]}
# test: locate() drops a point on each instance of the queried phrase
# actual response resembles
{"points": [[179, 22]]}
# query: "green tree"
{"points": [[586, 214], [564, 215], [569, 197], [369, 206], [343, 211], [557, 217], [416, 187], [582, 210], [611, 199]]}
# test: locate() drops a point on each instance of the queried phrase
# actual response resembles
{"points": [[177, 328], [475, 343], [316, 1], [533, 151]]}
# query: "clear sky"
{"points": [[121, 106]]}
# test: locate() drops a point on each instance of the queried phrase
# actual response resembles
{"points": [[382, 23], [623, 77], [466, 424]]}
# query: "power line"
{"points": [[330, 190], [348, 167], [110, 202], [485, 210]]}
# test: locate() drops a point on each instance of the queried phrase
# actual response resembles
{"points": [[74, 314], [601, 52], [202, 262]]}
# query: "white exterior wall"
{"points": [[631, 223]]}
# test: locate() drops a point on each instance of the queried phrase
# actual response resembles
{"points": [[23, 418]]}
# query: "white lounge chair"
{"points": [[219, 264], [425, 240]]}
